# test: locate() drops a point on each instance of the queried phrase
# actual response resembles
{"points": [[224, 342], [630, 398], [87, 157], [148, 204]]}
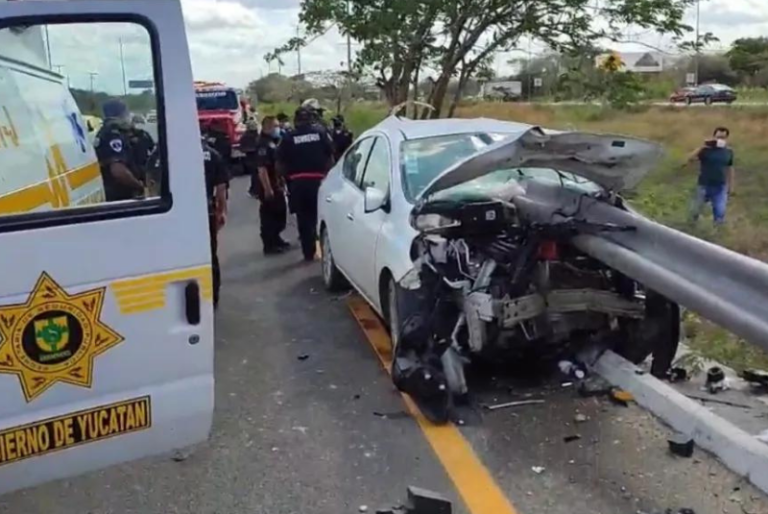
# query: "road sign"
{"points": [[690, 78], [537, 82], [141, 84]]}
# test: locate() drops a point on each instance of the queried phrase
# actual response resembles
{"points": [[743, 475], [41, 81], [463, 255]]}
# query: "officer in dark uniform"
{"points": [[249, 146], [120, 172], [342, 138], [271, 188], [216, 182], [304, 157], [142, 146]]}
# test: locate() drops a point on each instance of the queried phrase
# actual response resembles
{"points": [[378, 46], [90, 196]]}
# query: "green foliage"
{"points": [[90, 103], [399, 37], [748, 56], [622, 89]]}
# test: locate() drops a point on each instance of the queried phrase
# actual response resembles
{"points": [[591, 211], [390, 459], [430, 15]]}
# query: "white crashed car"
{"points": [[463, 235]]}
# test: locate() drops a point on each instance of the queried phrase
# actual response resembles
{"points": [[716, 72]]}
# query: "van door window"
{"points": [[75, 100]]}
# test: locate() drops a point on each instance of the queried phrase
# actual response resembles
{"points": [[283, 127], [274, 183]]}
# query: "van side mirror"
{"points": [[374, 200]]}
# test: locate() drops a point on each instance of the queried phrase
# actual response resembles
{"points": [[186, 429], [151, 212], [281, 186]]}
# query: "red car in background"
{"points": [[681, 94]]}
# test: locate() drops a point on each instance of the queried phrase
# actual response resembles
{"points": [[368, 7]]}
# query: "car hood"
{"points": [[613, 162]]}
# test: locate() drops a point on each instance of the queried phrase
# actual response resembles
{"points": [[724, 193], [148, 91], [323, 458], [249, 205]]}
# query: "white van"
{"points": [[106, 319]]}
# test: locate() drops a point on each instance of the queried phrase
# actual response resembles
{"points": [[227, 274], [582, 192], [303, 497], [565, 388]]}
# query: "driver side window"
{"points": [[355, 160]]}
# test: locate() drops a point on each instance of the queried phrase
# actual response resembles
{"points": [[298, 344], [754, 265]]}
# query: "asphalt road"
{"points": [[301, 436]]}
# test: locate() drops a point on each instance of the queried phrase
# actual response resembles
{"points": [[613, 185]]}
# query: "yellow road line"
{"points": [[477, 488]]}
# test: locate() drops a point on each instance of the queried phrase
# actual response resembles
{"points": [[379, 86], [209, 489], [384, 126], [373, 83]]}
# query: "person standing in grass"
{"points": [[716, 175]]}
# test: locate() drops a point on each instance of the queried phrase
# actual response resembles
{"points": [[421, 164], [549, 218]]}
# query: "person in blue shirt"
{"points": [[716, 175]]}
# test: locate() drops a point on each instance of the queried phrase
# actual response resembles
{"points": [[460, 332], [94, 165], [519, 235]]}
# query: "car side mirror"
{"points": [[374, 199]]}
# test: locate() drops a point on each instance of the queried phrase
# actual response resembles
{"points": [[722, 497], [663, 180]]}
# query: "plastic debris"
{"points": [[422, 501], [520, 403], [581, 418], [363, 508], [756, 376], [681, 445], [716, 381], [621, 397], [538, 469], [572, 369], [594, 386], [677, 374]]}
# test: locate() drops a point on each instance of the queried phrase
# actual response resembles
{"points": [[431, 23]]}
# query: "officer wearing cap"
{"points": [[119, 170], [271, 188], [304, 157], [216, 182], [342, 138]]}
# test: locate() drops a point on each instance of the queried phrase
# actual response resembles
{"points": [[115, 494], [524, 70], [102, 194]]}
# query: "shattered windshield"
{"points": [[489, 185], [424, 159]]}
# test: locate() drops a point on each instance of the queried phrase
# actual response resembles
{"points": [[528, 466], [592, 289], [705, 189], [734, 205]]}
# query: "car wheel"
{"points": [[332, 277]]}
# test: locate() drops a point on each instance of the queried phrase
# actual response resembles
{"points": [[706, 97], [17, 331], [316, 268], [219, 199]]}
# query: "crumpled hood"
{"points": [[613, 162]]}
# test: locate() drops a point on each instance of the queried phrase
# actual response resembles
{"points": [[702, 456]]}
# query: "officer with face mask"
{"points": [[271, 189], [120, 171]]}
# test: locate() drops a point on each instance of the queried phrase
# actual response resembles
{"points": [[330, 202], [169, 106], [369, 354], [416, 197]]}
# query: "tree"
{"points": [[748, 56], [456, 37]]}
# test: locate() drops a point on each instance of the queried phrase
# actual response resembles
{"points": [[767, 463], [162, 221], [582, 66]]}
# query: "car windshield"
{"points": [[424, 159], [489, 184], [217, 101], [720, 87]]}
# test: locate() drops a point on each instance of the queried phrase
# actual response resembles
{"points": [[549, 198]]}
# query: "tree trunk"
{"points": [[463, 79], [416, 92], [439, 92]]}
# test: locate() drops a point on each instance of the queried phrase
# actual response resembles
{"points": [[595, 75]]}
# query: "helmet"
{"points": [[312, 103], [115, 109]]}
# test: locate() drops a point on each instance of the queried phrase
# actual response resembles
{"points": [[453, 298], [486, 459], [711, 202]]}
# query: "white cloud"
{"points": [[229, 38]]}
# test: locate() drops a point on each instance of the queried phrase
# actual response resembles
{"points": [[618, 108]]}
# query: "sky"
{"points": [[229, 38]]}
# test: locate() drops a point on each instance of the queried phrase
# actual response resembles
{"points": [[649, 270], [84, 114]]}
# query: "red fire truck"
{"points": [[226, 110]]}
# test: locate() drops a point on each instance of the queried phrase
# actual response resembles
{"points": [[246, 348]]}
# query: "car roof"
{"points": [[418, 129]]}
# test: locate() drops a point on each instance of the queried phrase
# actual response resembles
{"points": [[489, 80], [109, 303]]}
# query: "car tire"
{"points": [[332, 277]]}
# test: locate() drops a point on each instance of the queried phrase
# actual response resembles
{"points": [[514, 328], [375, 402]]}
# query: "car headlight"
{"points": [[430, 222]]}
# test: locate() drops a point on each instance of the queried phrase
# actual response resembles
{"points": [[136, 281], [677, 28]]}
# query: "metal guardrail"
{"points": [[723, 286]]}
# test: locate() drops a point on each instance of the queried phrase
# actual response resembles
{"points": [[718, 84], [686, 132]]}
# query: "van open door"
{"points": [[106, 317]]}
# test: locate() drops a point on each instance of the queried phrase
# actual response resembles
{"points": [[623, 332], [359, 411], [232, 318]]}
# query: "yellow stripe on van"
{"points": [[38, 195], [148, 293]]}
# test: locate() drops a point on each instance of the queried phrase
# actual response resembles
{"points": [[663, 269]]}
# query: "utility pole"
{"points": [[349, 42], [122, 65], [698, 47], [92, 75], [298, 48]]}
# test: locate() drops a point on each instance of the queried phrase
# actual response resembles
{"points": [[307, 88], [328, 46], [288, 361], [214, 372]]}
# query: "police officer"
{"points": [[304, 156], [142, 146], [271, 189], [342, 138], [120, 172], [216, 182], [249, 147]]}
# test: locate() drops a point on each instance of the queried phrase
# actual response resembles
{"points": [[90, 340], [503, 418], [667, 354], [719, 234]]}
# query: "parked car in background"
{"points": [[710, 94], [681, 94]]}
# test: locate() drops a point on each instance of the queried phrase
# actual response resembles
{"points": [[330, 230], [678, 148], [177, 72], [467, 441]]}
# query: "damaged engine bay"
{"points": [[498, 279]]}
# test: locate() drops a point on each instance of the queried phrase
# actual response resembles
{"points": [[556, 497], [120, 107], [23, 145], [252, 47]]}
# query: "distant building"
{"points": [[502, 90], [637, 62]]}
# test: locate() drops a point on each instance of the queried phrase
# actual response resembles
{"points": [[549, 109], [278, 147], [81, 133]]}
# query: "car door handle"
{"points": [[192, 302], [350, 216], [328, 199]]}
